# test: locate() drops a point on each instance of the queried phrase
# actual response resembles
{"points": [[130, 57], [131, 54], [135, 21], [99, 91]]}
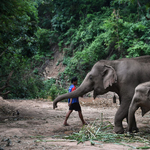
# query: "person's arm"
{"points": [[70, 102], [74, 88]]}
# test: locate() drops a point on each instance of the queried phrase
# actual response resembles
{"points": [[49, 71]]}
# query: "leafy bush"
{"points": [[50, 88], [53, 91], [47, 84], [56, 90], [27, 87], [45, 39]]}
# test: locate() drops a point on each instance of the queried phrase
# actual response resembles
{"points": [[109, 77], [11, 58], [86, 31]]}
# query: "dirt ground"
{"points": [[32, 120]]}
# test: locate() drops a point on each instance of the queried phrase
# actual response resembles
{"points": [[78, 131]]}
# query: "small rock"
{"points": [[1, 148], [19, 141], [145, 122], [8, 142]]}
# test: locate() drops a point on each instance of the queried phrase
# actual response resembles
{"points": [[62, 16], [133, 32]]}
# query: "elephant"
{"points": [[120, 76], [140, 99]]}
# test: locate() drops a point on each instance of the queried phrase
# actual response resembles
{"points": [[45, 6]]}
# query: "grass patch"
{"points": [[102, 132]]}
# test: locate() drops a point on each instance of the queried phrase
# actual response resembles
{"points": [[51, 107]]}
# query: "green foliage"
{"points": [[84, 30], [35, 71], [27, 87], [18, 23], [45, 40], [53, 92], [107, 34], [45, 13], [68, 14], [44, 93], [66, 60], [56, 90], [50, 88], [102, 133], [139, 48], [113, 57], [48, 84]]}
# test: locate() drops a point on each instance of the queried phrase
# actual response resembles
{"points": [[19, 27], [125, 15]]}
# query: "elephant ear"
{"points": [[148, 93], [109, 76]]}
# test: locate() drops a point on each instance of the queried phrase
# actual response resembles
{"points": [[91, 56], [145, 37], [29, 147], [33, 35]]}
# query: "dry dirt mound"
{"points": [[54, 66], [37, 126]]}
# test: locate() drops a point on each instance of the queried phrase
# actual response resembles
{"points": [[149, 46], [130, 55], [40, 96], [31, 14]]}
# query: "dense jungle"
{"points": [[32, 32]]}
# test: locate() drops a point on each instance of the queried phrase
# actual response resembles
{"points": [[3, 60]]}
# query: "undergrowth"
{"points": [[98, 133]]}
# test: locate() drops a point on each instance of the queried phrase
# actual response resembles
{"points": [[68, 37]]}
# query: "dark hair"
{"points": [[74, 79]]}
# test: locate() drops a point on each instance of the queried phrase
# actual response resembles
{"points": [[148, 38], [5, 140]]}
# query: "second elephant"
{"points": [[140, 99]]}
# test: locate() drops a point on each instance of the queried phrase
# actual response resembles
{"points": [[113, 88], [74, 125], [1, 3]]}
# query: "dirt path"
{"points": [[38, 127]]}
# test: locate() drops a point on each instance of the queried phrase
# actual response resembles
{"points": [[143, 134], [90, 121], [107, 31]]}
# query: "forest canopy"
{"points": [[82, 29]]}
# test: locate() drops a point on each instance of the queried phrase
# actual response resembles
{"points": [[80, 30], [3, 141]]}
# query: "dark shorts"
{"points": [[75, 106]]}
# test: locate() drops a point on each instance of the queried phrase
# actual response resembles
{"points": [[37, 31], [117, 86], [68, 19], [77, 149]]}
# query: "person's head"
{"points": [[74, 80]]}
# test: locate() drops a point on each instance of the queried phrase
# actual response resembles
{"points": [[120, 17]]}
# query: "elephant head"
{"points": [[99, 79], [140, 99]]}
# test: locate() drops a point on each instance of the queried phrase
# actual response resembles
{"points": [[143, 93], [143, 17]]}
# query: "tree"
{"points": [[18, 24]]}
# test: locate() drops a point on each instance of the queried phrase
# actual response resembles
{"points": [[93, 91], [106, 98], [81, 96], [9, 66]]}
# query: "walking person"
{"points": [[73, 103]]}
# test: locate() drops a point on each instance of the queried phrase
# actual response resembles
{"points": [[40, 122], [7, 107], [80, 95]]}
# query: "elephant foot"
{"points": [[119, 130], [134, 130]]}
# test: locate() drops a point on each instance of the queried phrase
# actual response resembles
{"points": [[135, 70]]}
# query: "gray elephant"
{"points": [[140, 99], [120, 76]]}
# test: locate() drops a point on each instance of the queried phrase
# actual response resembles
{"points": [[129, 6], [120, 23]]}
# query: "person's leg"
{"points": [[67, 116], [81, 117]]}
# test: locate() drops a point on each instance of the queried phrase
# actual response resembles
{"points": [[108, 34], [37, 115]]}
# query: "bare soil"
{"points": [[34, 125]]}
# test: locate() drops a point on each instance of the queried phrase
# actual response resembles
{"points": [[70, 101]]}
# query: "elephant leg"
{"points": [[134, 127], [120, 115], [118, 122]]}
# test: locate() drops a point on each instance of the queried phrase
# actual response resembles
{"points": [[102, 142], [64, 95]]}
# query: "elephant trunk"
{"points": [[79, 92], [131, 117]]}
